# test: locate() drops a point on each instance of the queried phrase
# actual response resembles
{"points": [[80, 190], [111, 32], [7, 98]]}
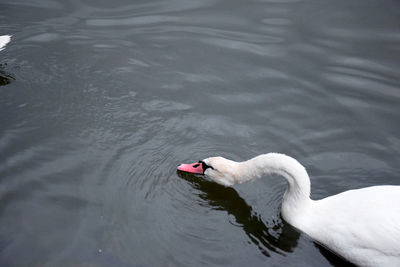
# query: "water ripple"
{"points": [[110, 96], [142, 20]]}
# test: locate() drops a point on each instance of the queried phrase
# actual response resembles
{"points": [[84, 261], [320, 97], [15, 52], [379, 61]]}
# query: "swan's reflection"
{"points": [[279, 238]]}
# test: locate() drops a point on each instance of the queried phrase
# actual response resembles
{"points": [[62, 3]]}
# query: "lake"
{"points": [[100, 101]]}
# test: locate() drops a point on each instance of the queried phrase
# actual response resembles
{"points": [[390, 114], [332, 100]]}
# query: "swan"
{"points": [[4, 40], [362, 225]]}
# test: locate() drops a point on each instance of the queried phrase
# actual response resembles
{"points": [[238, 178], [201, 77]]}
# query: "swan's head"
{"points": [[218, 169]]}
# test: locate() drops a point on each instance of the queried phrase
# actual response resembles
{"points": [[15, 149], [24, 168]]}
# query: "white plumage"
{"points": [[4, 40]]}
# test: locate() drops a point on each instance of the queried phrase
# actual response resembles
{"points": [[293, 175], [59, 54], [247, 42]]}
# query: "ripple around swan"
{"points": [[263, 235]]}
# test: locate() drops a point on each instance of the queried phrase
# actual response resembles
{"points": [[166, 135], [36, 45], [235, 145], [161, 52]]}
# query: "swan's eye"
{"points": [[205, 166]]}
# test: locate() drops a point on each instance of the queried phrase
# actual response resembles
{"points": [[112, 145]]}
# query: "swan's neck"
{"points": [[297, 196]]}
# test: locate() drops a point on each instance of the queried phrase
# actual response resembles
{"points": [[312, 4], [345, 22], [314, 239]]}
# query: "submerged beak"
{"points": [[192, 168]]}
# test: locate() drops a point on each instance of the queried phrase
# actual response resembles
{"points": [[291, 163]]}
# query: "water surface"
{"points": [[101, 100]]}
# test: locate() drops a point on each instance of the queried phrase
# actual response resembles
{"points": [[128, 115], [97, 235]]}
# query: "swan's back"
{"points": [[361, 225]]}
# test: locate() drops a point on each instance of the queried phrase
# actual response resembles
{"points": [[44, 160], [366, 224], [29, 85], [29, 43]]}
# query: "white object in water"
{"points": [[362, 226], [4, 40]]}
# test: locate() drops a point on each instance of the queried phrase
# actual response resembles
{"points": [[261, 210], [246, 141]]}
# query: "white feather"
{"points": [[4, 40]]}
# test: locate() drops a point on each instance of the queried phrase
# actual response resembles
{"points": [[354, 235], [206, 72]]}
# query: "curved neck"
{"points": [[297, 195]]}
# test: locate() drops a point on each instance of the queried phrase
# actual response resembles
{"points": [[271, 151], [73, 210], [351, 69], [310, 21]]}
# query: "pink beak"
{"points": [[192, 168]]}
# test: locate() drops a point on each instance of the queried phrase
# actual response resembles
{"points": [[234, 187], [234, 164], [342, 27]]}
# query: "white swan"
{"points": [[363, 225], [4, 40]]}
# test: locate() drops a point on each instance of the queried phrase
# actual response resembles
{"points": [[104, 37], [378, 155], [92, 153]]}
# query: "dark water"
{"points": [[101, 100]]}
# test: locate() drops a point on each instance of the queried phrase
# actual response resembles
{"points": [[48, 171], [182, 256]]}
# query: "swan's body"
{"points": [[4, 40], [363, 225]]}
